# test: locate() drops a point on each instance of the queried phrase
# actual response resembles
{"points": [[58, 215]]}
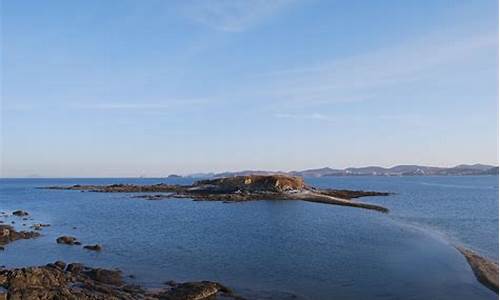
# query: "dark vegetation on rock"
{"points": [[76, 281], [240, 188]]}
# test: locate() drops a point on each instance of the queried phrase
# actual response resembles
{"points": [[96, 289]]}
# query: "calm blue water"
{"points": [[274, 249]]}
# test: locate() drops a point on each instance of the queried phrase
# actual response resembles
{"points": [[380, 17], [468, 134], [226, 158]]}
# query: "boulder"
{"points": [[20, 213], [68, 240]]}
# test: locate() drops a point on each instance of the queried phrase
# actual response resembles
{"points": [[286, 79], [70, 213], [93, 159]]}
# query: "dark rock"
{"points": [[95, 247], [80, 282], [68, 240], [39, 226], [105, 276], [9, 234], [20, 213], [74, 268], [170, 283], [486, 271], [60, 264], [194, 291]]}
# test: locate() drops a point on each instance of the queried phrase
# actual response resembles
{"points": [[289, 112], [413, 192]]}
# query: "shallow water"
{"points": [[274, 249], [463, 209]]}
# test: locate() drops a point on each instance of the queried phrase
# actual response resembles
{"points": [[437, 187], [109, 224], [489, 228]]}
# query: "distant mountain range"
{"points": [[400, 170]]}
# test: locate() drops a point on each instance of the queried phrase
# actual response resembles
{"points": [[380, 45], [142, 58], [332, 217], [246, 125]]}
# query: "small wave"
{"points": [[458, 186]]}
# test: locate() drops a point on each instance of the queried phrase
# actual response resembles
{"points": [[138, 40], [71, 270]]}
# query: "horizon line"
{"points": [[236, 171]]}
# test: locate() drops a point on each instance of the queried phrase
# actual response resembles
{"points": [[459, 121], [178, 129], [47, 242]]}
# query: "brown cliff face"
{"points": [[254, 183]]}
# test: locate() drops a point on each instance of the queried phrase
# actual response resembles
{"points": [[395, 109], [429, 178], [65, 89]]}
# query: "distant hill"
{"points": [[400, 170], [408, 170]]}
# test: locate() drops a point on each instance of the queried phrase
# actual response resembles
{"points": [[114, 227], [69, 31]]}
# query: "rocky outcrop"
{"points": [[9, 234], [195, 290], [486, 271], [252, 183], [119, 188], [75, 281]]}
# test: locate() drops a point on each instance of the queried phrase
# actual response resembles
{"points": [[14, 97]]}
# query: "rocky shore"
{"points": [[485, 270], [240, 188], [9, 234], [75, 281]]}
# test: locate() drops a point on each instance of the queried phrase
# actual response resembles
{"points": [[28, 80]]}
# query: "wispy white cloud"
{"points": [[232, 15], [307, 116], [368, 75], [122, 106], [172, 105]]}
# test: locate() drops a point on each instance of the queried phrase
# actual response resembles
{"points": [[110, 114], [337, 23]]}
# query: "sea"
{"points": [[272, 249]]}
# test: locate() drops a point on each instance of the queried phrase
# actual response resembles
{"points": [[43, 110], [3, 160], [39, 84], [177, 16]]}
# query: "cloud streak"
{"points": [[232, 15], [367, 76], [309, 116]]}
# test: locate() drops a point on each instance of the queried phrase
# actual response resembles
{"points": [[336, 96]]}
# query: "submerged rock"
{"points": [[68, 240], [20, 213], [95, 247], [39, 226]]}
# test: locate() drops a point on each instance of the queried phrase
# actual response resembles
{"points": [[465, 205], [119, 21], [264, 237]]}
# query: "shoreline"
{"points": [[485, 270], [59, 280]]}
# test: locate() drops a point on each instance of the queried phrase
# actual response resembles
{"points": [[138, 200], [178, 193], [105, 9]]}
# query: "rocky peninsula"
{"points": [[240, 188], [485, 270]]}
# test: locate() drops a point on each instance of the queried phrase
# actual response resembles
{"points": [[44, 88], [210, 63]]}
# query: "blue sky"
{"points": [[131, 88]]}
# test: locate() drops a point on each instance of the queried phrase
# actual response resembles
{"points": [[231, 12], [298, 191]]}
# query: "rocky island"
{"points": [[240, 188]]}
